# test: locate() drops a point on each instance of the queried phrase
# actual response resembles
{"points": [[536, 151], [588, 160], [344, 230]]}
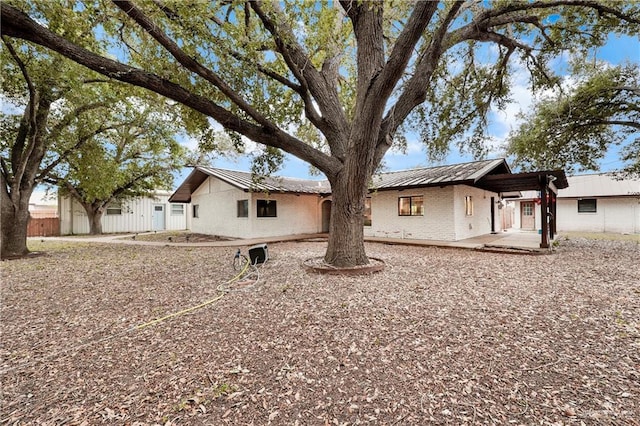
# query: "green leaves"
{"points": [[574, 128], [272, 71]]}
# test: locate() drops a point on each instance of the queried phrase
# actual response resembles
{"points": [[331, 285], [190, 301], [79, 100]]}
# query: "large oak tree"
{"points": [[351, 76]]}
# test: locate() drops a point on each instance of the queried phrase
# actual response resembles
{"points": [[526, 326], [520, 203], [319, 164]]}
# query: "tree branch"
{"points": [[14, 23], [601, 8], [5, 172], [600, 122], [414, 91], [405, 44], [173, 16], [188, 62], [333, 123], [68, 118], [28, 125], [81, 141]]}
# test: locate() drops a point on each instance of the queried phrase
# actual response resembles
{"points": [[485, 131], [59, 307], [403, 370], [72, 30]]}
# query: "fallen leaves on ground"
{"points": [[444, 336]]}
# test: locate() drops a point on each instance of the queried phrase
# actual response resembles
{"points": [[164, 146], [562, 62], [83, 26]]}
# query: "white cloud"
{"points": [[190, 143], [414, 146]]}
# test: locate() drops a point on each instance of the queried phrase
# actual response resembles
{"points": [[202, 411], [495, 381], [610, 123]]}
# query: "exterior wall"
{"points": [[217, 207], [444, 214], [480, 222], [137, 216], [616, 214]]}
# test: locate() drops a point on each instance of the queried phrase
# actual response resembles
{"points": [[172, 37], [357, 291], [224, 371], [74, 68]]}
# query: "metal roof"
{"points": [[601, 185], [454, 174], [492, 175], [595, 185], [245, 182]]}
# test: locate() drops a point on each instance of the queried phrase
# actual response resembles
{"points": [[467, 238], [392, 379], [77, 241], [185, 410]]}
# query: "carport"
{"points": [[546, 182]]}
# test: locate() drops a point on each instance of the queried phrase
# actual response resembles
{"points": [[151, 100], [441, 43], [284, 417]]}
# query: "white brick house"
{"points": [[450, 213], [446, 203], [591, 203], [230, 204]]}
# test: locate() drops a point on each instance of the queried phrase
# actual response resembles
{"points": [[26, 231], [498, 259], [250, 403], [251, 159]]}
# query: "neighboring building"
{"points": [[141, 214], [439, 203], [42, 210], [591, 203]]}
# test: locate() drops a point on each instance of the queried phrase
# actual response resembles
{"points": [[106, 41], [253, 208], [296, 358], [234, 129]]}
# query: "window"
{"points": [[196, 210], [468, 205], [114, 209], [266, 208], [411, 206], [177, 209], [243, 208], [367, 212], [527, 209], [587, 205]]}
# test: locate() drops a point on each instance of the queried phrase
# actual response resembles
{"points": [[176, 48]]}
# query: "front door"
{"points": [[527, 215], [158, 217]]}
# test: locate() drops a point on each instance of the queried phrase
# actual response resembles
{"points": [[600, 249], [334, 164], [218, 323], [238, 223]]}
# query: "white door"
{"points": [[527, 215], [158, 217]]}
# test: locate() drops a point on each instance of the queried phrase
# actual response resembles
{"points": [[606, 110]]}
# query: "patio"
{"points": [[512, 239]]}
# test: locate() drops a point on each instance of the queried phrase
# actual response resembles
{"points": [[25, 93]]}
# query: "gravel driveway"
{"points": [[445, 336]]}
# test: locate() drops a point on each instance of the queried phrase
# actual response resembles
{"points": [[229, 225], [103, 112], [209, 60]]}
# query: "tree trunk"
{"points": [[346, 236], [14, 233], [95, 224], [15, 219], [94, 215]]}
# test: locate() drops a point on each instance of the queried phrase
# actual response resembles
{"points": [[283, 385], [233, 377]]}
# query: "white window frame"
{"points": [[468, 205]]}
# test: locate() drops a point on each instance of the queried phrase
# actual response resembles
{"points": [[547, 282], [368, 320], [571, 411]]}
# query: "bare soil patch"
{"points": [[440, 336], [179, 237], [319, 266]]}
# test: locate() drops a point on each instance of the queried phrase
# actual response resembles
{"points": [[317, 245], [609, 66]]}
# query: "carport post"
{"points": [[544, 241], [553, 199]]}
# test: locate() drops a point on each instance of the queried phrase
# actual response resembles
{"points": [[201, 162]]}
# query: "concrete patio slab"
{"points": [[510, 240]]}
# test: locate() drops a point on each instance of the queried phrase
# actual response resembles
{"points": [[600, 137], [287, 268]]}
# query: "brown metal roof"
{"points": [[244, 181], [492, 175], [455, 174]]}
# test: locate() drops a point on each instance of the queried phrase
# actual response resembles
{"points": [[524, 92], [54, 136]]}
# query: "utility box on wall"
{"points": [[258, 254]]}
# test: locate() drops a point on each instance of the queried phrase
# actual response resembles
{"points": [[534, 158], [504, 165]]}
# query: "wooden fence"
{"points": [[43, 227]]}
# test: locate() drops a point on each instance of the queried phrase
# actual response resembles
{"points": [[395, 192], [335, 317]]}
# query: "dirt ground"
{"points": [[441, 336]]}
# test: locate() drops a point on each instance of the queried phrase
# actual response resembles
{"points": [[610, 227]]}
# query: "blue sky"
{"points": [[616, 51]]}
